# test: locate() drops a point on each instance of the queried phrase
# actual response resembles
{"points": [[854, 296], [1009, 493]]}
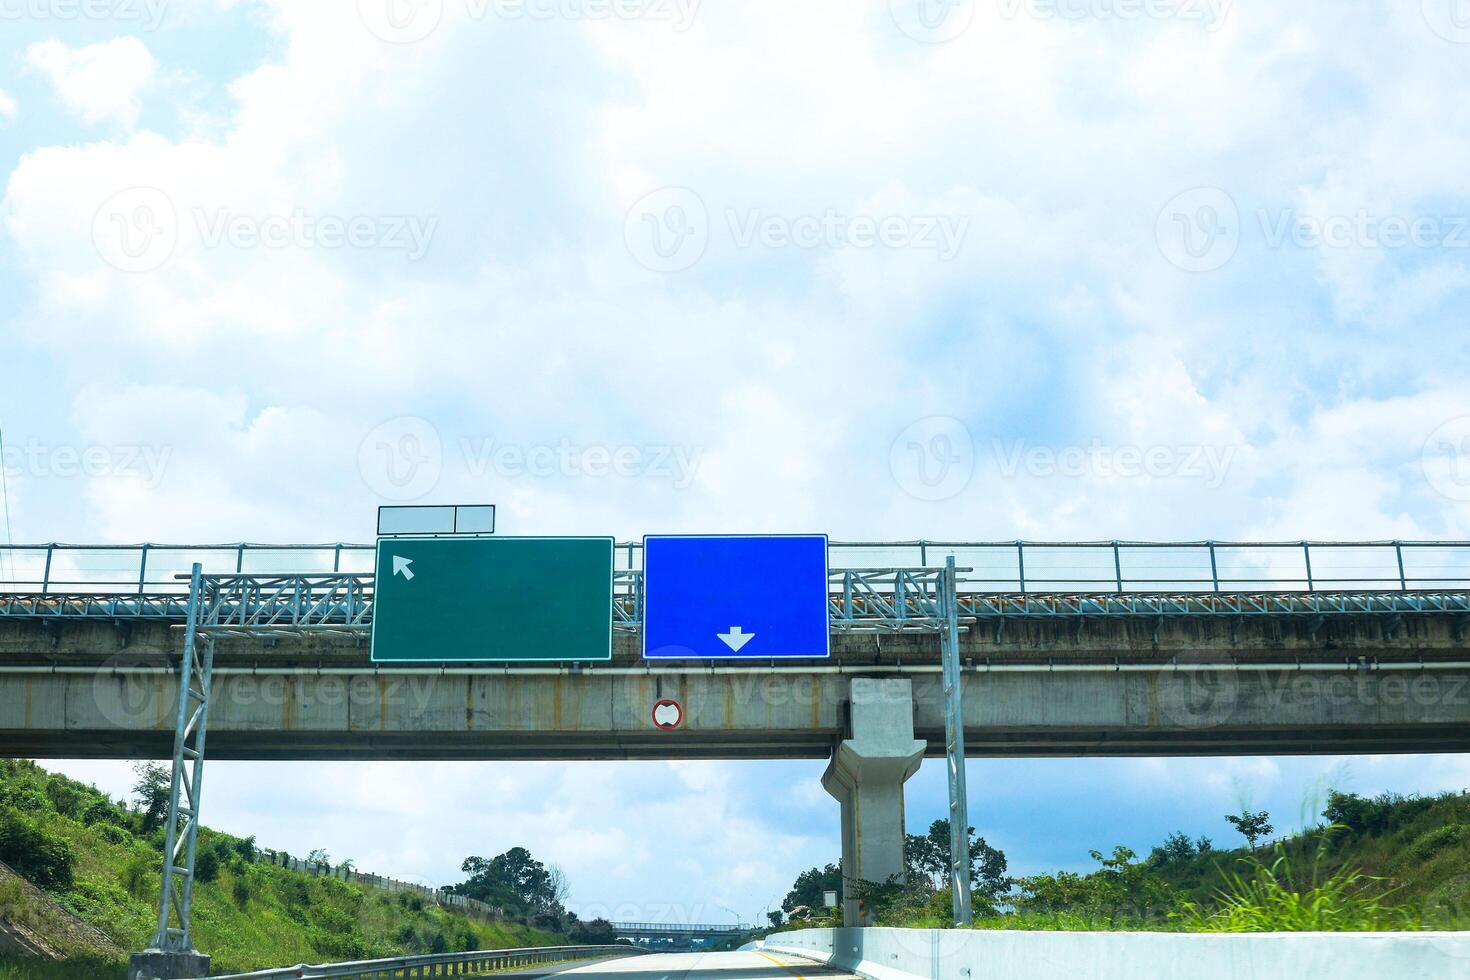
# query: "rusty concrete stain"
{"points": [[469, 705], [288, 706], [556, 692]]}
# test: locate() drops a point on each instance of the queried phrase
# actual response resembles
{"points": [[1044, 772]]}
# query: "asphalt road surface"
{"points": [[705, 966]]}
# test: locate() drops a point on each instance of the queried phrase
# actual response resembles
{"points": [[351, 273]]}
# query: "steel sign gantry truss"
{"points": [[265, 606]]}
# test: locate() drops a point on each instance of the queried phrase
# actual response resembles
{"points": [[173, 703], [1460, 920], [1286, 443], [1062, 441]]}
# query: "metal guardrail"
{"points": [[440, 964], [996, 566]]}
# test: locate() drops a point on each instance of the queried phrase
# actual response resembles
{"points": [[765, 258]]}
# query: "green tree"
{"points": [[515, 881], [1179, 849], [1121, 888], [151, 793], [928, 856], [1252, 826], [810, 886], [594, 932]]}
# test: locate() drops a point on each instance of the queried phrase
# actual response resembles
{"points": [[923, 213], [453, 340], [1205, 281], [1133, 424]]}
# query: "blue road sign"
{"points": [[735, 597]]}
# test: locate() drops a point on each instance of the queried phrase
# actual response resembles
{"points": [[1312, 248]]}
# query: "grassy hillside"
{"points": [[102, 862], [1390, 862], [1414, 852]]}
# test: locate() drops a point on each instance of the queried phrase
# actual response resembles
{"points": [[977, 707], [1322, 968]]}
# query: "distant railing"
{"points": [[440, 964], [679, 929], [994, 567]]}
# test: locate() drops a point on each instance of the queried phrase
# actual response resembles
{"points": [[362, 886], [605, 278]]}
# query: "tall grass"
{"points": [[75, 968], [1277, 897]]}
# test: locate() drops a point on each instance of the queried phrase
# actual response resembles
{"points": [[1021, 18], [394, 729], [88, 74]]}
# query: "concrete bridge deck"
{"points": [[1171, 686]]}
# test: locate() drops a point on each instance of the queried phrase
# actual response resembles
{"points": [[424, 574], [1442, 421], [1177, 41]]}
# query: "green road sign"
{"points": [[493, 599]]}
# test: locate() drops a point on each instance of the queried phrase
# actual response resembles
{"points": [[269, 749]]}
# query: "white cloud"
{"points": [[635, 839], [99, 82], [8, 108]]}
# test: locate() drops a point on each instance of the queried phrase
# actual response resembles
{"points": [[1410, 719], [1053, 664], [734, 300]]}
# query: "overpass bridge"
{"points": [[1116, 648], [939, 649], [681, 935]]}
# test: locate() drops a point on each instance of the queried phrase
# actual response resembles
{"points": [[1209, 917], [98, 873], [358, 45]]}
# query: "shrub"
{"points": [[67, 798], [1382, 813], [44, 858], [331, 919], [113, 834], [247, 850], [294, 891], [1426, 846], [26, 798], [102, 811], [138, 876], [206, 866], [240, 891]]}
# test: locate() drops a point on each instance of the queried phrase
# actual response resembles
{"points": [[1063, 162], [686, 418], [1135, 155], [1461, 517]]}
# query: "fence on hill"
{"points": [[439, 896]]}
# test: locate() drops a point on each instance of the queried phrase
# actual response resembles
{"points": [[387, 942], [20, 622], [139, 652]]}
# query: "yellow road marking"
{"points": [[783, 966]]}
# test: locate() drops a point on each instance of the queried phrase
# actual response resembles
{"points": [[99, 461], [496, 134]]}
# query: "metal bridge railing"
{"points": [[995, 567], [727, 929], [865, 600], [440, 964]]}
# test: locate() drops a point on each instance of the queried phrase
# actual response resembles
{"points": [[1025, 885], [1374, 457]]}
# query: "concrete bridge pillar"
{"points": [[866, 776]]}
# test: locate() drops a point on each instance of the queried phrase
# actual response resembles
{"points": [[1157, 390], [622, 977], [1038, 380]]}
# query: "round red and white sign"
{"points": [[667, 715]]}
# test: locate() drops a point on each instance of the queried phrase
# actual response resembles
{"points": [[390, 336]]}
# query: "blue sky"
{"points": [[882, 270]]}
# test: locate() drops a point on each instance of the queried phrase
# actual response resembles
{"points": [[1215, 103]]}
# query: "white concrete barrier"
{"points": [[959, 954]]}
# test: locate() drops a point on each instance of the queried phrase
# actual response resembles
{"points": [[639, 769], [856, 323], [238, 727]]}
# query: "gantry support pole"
{"points": [[954, 746], [172, 954]]}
